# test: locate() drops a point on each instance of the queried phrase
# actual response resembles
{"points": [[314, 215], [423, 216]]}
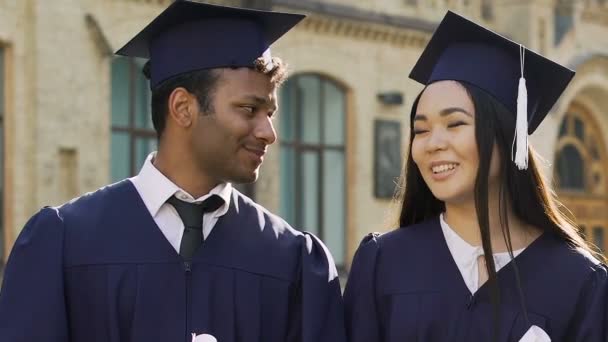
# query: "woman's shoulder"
{"points": [[389, 260], [403, 239], [415, 233], [551, 254]]}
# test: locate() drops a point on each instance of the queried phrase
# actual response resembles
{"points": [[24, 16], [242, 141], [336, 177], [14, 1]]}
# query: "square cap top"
{"points": [[190, 35], [464, 51]]}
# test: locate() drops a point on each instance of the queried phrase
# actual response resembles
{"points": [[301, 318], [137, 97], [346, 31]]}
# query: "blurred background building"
{"points": [[74, 117]]}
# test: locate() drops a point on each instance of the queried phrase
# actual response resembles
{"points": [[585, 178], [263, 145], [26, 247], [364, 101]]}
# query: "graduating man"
{"points": [[175, 252]]}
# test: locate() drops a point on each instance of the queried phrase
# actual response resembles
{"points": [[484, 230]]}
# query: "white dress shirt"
{"points": [[466, 256], [155, 189]]}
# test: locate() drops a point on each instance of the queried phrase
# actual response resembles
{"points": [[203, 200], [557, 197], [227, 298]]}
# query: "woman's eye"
{"points": [[456, 124], [419, 131]]}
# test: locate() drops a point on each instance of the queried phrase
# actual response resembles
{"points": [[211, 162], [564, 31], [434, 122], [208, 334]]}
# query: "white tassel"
{"points": [[521, 127], [521, 124]]}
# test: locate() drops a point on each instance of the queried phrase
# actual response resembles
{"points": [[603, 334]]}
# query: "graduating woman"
{"points": [[483, 252]]}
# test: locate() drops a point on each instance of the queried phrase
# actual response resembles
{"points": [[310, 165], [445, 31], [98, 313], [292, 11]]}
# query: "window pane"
{"points": [[288, 184], [563, 22], [333, 203], [288, 110], [310, 104], [121, 158], [143, 147], [570, 169], [143, 118], [309, 98], [598, 237], [563, 129], [334, 114], [579, 129], [310, 190], [120, 92]]}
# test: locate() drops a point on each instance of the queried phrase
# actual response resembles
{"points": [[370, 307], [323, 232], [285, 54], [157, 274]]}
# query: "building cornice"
{"points": [[348, 21], [364, 31], [595, 15], [342, 20], [339, 11]]}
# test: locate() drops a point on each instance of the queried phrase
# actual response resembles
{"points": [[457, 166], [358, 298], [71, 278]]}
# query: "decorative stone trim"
{"points": [[595, 15], [342, 20], [364, 31], [168, 2]]}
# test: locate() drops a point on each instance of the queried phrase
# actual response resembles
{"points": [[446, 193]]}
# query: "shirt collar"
{"points": [[462, 252], [155, 189]]}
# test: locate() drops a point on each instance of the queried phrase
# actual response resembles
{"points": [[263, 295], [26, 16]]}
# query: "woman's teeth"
{"points": [[443, 168]]}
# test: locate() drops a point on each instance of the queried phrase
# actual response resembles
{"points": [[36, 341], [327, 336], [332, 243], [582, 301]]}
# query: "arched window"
{"points": [[578, 161], [133, 136], [570, 169], [312, 159], [579, 172]]}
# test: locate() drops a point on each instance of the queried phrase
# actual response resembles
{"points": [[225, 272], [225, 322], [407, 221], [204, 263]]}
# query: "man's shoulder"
{"points": [[260, 216], [273, 245], [88, 211], [97, 199], [274, 231], [79, 219]]}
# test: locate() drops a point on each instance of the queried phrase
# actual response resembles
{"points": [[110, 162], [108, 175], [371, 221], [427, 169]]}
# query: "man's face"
{"points": [[229, 143]]}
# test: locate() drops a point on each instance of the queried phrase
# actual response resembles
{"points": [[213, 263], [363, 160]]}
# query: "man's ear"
{"points": [[181, 107]]}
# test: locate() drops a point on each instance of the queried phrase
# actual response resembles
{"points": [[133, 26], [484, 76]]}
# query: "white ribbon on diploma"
{"points": [[203, 338], [535, 334]]}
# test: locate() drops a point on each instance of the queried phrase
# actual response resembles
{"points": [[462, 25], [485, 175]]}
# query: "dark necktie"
{"points": [[192, 217]]}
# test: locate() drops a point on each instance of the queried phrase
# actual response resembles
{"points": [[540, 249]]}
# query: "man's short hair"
{"points": [[202, 84]]}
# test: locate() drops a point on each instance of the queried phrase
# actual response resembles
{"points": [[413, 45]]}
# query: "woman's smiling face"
{"points": [[444, 146]]}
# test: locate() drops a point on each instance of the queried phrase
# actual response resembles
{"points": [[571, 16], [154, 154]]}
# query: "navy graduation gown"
{"points": [[405, 286], [99, 269]]}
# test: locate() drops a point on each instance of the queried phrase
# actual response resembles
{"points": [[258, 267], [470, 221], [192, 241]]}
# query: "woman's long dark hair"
{"points": [[525, 192]]}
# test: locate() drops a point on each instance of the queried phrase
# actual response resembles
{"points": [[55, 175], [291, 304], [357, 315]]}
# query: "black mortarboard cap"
{"points": [[190, 36], [462, 50]]}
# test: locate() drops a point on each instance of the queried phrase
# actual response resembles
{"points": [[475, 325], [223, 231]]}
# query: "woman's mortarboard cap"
{"points": [[464, 51]]}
